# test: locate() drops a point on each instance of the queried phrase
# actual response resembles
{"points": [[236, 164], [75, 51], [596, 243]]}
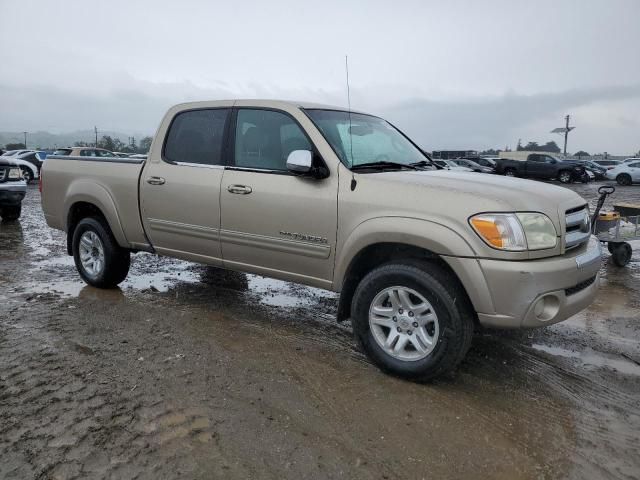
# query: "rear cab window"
{"points": [[197, 137]]}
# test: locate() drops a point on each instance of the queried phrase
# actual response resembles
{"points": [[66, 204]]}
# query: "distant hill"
{"points": [[48, 140]]}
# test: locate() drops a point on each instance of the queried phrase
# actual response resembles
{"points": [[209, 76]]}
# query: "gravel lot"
{"points": [[193, 372]]}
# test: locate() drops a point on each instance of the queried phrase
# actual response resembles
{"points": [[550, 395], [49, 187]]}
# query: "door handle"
{"points": [[155, 181], [239, 189]]}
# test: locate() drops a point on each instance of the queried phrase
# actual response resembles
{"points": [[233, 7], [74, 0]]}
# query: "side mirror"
{"points": [[300, 162]]}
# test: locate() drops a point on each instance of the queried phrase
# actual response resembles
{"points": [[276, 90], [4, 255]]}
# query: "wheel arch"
{"points": [[84, 200], [414, 239]]}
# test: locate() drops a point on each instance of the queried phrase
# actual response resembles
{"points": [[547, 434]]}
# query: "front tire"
{"points": [[100, 261], [10, 214], [624, 179], [27, 175], [412, 319]]}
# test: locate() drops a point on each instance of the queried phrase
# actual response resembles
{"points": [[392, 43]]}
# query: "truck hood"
{"points": [[455, 196], [511, 193]]}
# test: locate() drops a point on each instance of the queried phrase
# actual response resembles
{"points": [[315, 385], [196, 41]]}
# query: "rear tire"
{"points": [[565, 176], [621, 254], [93, 240], [624, 179], [509, 172], [447, 320], [11, 213]]}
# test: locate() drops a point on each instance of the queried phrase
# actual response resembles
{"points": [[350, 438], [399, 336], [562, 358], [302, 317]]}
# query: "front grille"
{"points": [[578, 227], [2, 174], [579, 287]]}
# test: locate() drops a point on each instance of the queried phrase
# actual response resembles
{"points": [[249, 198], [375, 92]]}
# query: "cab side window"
{"points": [[264, 139], [197, 136]]}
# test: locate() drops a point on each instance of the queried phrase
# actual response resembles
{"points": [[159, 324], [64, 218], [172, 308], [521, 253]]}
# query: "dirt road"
{"points": [[193, 372]]}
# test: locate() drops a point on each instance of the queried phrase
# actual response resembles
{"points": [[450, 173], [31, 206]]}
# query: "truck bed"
{"points": [[68, 181]]}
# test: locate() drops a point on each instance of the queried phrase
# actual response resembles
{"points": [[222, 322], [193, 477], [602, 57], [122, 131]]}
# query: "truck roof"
{"points": [[264, 103]]}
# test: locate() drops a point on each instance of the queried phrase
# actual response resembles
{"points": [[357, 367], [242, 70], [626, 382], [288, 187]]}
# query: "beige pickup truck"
{"points": [[342, 201]]}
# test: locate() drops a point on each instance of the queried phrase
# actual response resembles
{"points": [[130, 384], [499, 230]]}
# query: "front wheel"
{"points": [[27, 175], [100, 261], [624, 179], [11, 213], [413, 320]]}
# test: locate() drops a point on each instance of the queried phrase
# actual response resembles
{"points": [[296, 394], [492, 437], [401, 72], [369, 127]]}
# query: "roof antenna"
{"points": [[346, 68]]}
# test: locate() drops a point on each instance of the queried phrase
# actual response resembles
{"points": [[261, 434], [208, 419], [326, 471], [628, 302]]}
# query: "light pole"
{"points": [[566, 129], [25, 140]]}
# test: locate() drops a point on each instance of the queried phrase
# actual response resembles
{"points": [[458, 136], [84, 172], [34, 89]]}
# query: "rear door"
{"points": [[273, 222], [180, 186]]}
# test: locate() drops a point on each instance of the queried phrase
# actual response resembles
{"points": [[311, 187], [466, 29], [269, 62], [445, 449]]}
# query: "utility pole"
{"points": [[566, 129], [25, 139], [95, 129]]}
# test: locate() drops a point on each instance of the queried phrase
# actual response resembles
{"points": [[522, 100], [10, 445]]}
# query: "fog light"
{"points": [[546, 308]]}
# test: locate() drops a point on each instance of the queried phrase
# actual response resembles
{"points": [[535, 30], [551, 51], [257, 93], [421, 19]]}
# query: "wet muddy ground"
{"points": [[193, 372]]}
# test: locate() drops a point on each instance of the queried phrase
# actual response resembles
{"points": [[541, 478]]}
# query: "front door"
{"points": [[273, 222], [180, 187]]}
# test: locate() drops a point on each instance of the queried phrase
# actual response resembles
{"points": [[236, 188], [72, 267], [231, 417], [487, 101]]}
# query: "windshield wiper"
{"points": [[383, 164], [423, 163]]}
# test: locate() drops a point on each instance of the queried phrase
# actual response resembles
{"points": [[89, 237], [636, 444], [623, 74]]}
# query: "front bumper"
{"points": [[532, 293], [12, 193]]}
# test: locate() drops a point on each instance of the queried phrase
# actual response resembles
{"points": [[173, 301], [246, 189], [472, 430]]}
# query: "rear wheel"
{"points": [[412, 319], [624, 179], [510, 172], [100, 261], [564, 176], [621, 254], [10, 213]]}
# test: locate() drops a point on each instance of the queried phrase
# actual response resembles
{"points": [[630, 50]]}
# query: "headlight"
{"points": [[15, 173], [515, 232]]}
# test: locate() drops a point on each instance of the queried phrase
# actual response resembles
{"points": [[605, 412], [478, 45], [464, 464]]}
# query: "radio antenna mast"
{"points": [[346, 68]]}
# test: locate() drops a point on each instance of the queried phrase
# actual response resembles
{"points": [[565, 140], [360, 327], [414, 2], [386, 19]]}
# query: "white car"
{"points": [[28, 161], [632, 159], [451, 165], [626, 173]]}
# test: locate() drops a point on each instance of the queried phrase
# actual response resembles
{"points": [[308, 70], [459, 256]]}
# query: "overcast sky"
{"points": [[452, 74]]}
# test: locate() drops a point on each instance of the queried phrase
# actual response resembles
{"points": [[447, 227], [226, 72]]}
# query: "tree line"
{"points": [[116, 145]]}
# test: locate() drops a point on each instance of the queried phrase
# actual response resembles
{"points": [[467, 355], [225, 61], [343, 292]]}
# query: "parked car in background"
{"points": [[451, 165], [12, 189], [608, 164], [419, 256], [489, 162], [599, 172], [29, 162], [84, 152], [626, 173], [122, 154], [542, 166], [631, 160], [463, 162]]}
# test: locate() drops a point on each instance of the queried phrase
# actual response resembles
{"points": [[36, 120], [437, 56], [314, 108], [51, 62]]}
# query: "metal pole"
{"points": [[96, 130], [25, 139], [566, 135]]}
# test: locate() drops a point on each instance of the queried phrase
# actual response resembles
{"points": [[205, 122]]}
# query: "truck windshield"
{"points": [[365, 139]]}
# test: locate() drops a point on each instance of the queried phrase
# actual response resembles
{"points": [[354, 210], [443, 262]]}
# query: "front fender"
{"points": [[95, 194], [426, 234]]}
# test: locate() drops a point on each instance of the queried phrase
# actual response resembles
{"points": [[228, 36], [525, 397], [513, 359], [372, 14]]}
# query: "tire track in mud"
{"points": [[62, 417], [606, 419]]}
